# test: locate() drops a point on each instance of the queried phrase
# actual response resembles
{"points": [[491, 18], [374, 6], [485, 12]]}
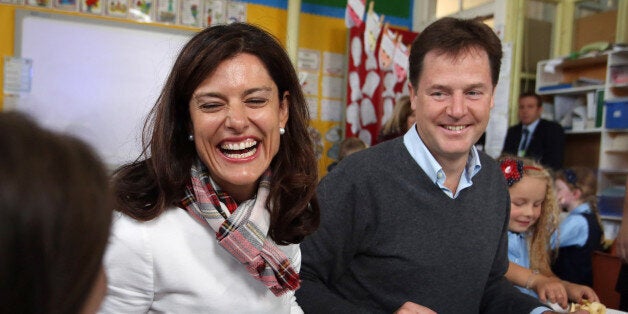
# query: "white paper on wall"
{"points": [[310, 83], [354, 13], [190, 10], [18, 75], [312, 105], [333, 87], [390, 79], [400, 61], [309, 60], [356, 51], [367, 112], [370, 84], [371, 32], [354, 85], [215, 12], [236, 12], [333, 63], [353, 117], [365, 136], [387, 49], [388, 109], [331, 110], [371, 62]]}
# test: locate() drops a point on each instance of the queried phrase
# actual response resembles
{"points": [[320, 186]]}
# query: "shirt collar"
{"points": [[422, 156], [532, 126], [581, 209], [516, 235]]}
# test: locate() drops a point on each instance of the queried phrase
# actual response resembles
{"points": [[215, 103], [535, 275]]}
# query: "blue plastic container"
{"points": [[617, 115]]}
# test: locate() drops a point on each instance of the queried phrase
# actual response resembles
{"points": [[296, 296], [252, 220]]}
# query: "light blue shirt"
{"points": [[574, 229], [519, 253], [531, 127], [433, 169]]}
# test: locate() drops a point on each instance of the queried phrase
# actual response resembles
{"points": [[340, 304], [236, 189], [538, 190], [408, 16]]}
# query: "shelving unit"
{"points": [[613, 168], [594, 145]]}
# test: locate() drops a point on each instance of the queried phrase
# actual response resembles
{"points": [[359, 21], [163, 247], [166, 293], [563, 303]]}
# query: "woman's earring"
{"points": [[191, 137], [282, 131]]}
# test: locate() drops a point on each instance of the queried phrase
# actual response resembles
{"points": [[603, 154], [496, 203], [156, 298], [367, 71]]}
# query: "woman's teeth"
{"points": [[239, 146], [239, 150], [242, 155]]}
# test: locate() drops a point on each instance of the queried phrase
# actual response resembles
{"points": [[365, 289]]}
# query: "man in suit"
{"points": [[534, 137]]}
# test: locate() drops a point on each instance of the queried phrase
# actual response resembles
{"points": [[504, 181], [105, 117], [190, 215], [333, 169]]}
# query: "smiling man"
{"points": [[418, 224]]}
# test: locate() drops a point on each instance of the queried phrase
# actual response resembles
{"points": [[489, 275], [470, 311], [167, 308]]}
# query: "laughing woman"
{"points": [[211, 215]]}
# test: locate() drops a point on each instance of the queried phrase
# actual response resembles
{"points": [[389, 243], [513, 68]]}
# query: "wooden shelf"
{"points": [[571, 90], [602, 149], [584, 131], [596, 60], [612, 218]]}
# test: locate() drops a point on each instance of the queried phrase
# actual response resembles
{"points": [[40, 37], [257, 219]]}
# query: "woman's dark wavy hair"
{"points": [[452, 36], [55, 214], [157, 179]]}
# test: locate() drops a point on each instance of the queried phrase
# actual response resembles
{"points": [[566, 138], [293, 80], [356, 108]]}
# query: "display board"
{"points": [[95, 79], [372, 91]]}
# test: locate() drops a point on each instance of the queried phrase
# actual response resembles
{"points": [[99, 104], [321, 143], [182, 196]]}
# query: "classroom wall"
{"points": [[7, 30], [322, 36]]}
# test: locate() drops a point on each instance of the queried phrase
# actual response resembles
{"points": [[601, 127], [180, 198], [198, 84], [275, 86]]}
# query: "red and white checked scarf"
{"points": [[241, 230]]}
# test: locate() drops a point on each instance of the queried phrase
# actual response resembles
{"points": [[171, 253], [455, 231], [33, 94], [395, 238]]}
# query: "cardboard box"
{"points": [[617, 115]]}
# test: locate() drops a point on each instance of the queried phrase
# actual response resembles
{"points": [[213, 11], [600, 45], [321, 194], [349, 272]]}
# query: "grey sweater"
{"points": [[388, 235]]}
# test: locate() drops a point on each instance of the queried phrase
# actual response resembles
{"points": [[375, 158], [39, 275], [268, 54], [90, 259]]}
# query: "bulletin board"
{"points": [[371, 92], [99, 88]]}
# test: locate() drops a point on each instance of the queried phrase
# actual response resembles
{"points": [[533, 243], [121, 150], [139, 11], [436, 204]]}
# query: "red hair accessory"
{"points": [[513, 170]]}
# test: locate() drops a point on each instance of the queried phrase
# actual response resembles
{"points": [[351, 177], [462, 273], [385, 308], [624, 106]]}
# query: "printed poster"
{"points": [[191, 13], [117, 8], [92, 6], [167, 11]]}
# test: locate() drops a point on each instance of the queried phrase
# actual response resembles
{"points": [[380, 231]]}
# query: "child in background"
{"points": [[348, 146], [400, 121], [580, 233], [533, 219], [55, 214]]}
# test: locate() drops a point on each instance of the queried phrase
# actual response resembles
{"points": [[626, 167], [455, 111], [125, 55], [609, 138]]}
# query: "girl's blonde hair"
{"points": [[585, 180], [541, 232]]}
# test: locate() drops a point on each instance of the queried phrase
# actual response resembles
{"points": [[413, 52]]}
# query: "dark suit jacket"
{"points": [[547, 144]]}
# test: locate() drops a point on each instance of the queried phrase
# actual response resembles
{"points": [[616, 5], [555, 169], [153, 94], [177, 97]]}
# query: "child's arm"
{"points": [[578, 292], [548, 288]]}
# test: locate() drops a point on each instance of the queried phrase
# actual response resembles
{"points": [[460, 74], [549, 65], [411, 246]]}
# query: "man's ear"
{"points": [[413, 95]]}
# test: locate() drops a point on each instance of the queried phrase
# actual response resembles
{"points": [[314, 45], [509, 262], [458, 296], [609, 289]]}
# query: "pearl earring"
{"points": [[282, 131], [191, 137]]}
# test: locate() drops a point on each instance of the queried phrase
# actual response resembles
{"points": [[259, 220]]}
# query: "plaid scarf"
{"points": [[241, 230]]}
